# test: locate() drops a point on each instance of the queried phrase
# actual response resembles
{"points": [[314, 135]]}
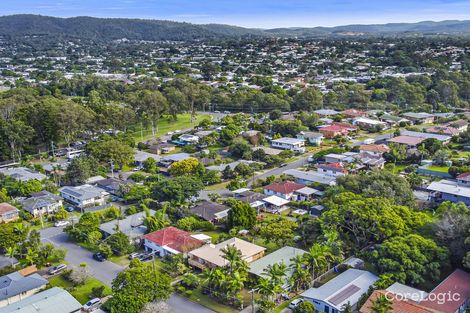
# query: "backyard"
{"points": [[81, 293]]}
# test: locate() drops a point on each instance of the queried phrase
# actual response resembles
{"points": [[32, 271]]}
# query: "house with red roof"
{"points": [[443, 130], [336, 129], [353, 113], [452, 295], [333, 169], [408, 141], [284, 190], [398, 303], [8, 213], [170, 241], [464, 179]]}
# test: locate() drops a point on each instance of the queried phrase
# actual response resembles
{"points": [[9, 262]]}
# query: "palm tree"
{"points": [[381, 305], [300, 275], [316, 258], [276, 272], [265, 288], [233, 257], [235, 283], [347, 308], [30, 256], [11, 252]]}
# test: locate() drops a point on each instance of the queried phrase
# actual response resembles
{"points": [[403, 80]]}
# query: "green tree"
{"points": [[119, 243], [137, 285], [241, 214]]}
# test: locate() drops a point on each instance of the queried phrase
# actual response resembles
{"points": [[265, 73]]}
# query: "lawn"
{"points": [[166, 125], [204, 300], [217, 186], [443, 169], [81, 293], [215, 234], [122, 260]]}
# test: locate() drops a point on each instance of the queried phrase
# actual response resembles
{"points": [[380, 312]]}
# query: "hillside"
{"points": [[105, 29]]}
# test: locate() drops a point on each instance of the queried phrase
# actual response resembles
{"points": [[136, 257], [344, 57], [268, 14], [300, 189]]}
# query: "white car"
{"points": [[170, 133], [61, 223], [57, 269], [295, 303], [91, 305], [177, 131]]}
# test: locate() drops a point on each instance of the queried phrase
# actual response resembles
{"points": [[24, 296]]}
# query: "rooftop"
{"points": [[284, 187], [312, 176], [283, 255], [449, 187], [54, 300], [174, 238], [22, 174], [132, 225], [7, 208], [209, 211], [214, 254], [407, 140], [14, 284]]}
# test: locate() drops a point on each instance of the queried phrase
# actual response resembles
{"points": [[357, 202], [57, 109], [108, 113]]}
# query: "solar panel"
{"points": [[344, 294], [73, 193]]}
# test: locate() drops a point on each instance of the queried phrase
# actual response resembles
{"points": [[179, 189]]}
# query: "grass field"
{"points": [[166, 125], [204, 300], [217, 186], [81, 293], [443, 169]]}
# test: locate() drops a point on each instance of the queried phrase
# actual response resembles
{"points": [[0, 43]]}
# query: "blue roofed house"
{"points": [[15, 287], [54, 300], [22, 174], [345, 288], [449, 190], [84, 196], [41, 203]]}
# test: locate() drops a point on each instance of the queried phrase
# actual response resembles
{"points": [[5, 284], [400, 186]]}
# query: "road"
{"points": [[279, 170], [106, 271], [103, 271]]}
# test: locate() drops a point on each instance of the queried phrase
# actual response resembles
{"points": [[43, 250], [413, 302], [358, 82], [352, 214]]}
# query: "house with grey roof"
{"points": [[309, 177], [171, 158], [442, 138], [22, 174], [345, 288], [42, 203], [132, 226], [15, 287], [210, 211], [84, 196], [54, 300], [283, 255], [420, 117], [449, 190]]}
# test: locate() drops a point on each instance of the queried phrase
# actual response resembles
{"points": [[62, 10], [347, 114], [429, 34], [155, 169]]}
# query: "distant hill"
{"points": [[116, 28], [106, 29]]}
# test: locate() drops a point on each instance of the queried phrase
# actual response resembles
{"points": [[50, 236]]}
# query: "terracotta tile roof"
{"points": [[375, 148], [334, 128], [457, 283], [464, 176], [446, 130], [398, 305], [6, 208], [285, 187], [174, 238], [338, 166], [353, 113]]}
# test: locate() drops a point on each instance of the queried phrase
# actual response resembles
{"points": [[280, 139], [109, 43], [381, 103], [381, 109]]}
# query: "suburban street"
{"points": [[103, 271]]}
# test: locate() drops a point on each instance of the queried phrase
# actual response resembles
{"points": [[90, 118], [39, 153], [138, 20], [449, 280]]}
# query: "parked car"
{"points": [[61, 223], [145, 257], [133, 255], [177, 131], [91, 305], [217, 112], [100, 257], [226, 112], [283, 165], [70, 209], [295, 303], [57, 269]]}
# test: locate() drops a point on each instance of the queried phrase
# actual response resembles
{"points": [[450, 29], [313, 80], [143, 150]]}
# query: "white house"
{"points": [[15, 287], [345, 288], [42, 203], [285, 143], [189, 139], [84, 196], [170, 241], [313, 137]]}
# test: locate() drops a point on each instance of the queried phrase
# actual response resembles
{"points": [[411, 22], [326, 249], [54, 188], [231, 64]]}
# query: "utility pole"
{"points": [[141, 131], [112, 167], [52, 148]]}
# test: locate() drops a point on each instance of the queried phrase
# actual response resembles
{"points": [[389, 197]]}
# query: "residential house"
{"points": [[284, 190], [306, 193], [333, 130], [254, 199], [161, 148], [133, 226], [141, 156], [22, 174], [313, 138], [345, 288], [8, 213], [369, 124], [353, 113], [443, 130], [113, 185], [419, 118], [42, 203], [457, 283], [442, 138], [398, 303], [211, 256], [170, 241], [268, 150], [167, 160], [15, 287], [275, 204], [394, 120], [407, 292], [449, 190], [54, 300], [347, 157], [464, 179], [210, 211], [461, 125], [310, 177], [84, 196], [408, 141], [332, 169], [282, 255], [374, 150], [285, 143], [189, 139], [326, 112]]}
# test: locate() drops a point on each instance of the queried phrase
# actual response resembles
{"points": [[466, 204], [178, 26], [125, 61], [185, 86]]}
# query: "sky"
{"points": [[252, 13]]}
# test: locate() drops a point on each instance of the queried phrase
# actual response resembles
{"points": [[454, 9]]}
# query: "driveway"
{"points": [[104, 271], [179, 304]]}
